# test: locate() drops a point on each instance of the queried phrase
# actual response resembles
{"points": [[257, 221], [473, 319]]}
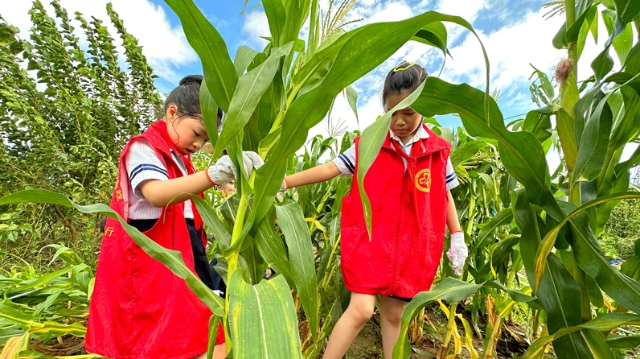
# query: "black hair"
{"points": [[405, 76], [187, 98]]}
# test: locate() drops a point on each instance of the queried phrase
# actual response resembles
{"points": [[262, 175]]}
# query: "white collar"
{"points": [[421, 133]]}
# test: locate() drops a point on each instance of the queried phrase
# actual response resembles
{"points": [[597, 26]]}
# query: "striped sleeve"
{"points": [[451, 179], [346, 161], [143, 164]]}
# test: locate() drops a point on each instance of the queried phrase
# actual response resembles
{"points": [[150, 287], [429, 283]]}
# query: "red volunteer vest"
{"points": [[409, 211], [139, 309]]}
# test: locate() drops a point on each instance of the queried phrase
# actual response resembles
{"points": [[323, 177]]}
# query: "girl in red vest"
{"points": [[139, 309], [408, 186]]}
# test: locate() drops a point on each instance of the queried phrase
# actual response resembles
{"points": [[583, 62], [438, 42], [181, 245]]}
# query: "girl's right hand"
{"points": [[224, 171]]}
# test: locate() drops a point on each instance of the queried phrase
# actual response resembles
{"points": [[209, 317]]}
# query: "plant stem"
{"points": [[232, 260]]}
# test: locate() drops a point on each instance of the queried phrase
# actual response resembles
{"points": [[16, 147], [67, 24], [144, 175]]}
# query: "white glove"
{"points": [[283, 187], [457, 252], [224, 171]]}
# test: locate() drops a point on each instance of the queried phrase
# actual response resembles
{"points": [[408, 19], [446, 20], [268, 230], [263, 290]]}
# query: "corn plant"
{"points": [[271, 98], [557, 222], [43, 307]]}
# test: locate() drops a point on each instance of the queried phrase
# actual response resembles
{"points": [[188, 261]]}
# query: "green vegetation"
{"points": [[534, 254], [65, 115]]}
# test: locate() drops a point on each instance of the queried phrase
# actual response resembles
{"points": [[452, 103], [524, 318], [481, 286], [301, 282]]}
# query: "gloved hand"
{"points": [[457, 252], [283, 186], [224, 171]]}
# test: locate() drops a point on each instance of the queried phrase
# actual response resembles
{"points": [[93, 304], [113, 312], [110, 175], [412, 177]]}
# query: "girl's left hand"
{"points": [[457, 252]]}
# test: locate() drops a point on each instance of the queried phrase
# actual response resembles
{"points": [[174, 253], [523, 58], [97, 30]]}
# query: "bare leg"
{"points": [[219, 352], [358, 313], [391, 316]]}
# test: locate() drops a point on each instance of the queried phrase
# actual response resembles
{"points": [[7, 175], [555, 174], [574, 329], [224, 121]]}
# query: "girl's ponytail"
{"points": [[405, 76]]}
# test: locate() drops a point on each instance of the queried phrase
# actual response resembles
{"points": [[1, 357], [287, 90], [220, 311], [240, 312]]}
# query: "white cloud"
{"points": [[391, 11], [255, 26], [165, 47], [510, 49]]}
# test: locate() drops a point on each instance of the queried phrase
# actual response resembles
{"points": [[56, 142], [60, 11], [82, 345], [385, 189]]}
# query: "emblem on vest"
{"points": [[423, 180]]}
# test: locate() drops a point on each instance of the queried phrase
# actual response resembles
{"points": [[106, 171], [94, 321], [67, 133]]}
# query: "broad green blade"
{"points": [[213, 223], [219, 72], [627, 9], [549, 240], [590, 258], [262, 320], [249, 90], [594, 143], [351, 59], [449, 289], [209, 113], [170, 258], [369, 147], [466, 152], [558, 292], [272, 249], [594, 342], [521, 152], [276, 16], [244, 57], [296, 233], [503, 218]]}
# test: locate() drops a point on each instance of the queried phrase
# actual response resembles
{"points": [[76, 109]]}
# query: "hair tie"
{"points": [[398, 68]]}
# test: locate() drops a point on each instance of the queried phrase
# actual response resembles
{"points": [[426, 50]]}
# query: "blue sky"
{"points": [[513, 31]]}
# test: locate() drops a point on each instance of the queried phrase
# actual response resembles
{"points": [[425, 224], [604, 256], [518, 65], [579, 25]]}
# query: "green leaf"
{"points": [[171, 259], [466, 152], [623, 342], [296, 233], [590, 258], [273, 251], [296, 15], [503, 218], [276, 16], [213, 223], [209, 113], [627, 9], [449, 289], [521, 152], [244, 56], [558, 290], [262, 320], [588, 330], [549, 239], [594, 143], [214, 322], [350, 58], [369, 147], [434, 34], [219, 72], [352, 97], [250, 89]]}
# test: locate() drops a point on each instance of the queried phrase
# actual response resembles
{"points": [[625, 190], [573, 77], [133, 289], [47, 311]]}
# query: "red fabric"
{"points": [[409, 210], [139, 309]]}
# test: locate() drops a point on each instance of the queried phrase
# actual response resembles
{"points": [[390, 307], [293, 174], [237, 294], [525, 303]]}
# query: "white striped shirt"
{"points": [[142, 165], [347, 159]]}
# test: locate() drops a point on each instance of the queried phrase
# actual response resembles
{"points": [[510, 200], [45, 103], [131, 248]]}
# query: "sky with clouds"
{"points": [[514, 32]]}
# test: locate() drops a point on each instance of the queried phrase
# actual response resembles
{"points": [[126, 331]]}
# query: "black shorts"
{"points": [[401, 298]]}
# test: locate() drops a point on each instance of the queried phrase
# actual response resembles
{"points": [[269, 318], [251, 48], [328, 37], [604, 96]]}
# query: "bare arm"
{"points": [[160, 192], [452, 216], [316, 174]]}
